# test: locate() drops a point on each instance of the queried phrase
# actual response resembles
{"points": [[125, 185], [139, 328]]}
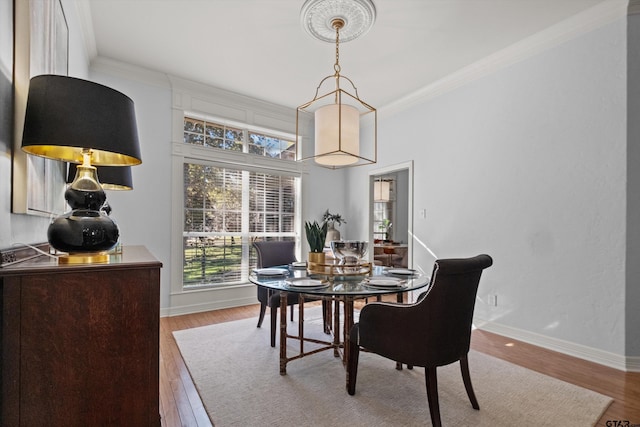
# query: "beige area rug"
{"points": [[237, 375]]}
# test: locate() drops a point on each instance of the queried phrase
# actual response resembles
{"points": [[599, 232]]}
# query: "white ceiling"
{"points": [[259, 48]]}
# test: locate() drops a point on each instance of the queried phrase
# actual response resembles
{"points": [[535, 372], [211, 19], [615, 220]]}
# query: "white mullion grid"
{"points": [[245, 235]]}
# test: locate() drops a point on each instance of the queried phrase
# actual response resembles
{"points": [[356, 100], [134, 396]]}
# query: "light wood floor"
{"points": [[180, 404]]}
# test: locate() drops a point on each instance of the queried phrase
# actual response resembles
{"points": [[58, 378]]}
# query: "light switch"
{"points": [[423, 213]]}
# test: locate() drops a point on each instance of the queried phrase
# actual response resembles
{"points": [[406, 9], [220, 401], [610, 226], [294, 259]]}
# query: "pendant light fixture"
{"points": [[381, 190], [339, 115]]}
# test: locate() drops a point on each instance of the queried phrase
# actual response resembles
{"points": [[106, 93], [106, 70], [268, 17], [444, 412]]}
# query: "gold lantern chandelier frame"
{"points": [[339, 114]]}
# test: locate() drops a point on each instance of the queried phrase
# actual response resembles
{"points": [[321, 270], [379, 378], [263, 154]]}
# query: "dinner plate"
{"points": [[299, 264], [306, 283], [271, 271], [401, 271], [384, 283]]}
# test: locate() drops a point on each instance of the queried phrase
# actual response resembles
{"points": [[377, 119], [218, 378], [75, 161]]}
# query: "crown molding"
{"points": [[571, 28], [105, 65]]}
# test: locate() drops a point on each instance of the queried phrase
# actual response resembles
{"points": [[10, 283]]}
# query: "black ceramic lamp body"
{"points": [[86, 228]]}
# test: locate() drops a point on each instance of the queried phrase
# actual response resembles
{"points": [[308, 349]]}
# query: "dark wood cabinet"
{"points": [[80, 343]]}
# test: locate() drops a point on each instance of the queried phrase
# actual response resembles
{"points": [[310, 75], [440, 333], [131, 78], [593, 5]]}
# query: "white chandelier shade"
{"points": [[337, 135]]}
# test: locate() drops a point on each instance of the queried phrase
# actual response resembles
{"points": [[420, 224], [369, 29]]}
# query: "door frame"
{"points": [[373, 173]]}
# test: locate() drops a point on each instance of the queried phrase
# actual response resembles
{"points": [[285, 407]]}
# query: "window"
{"points": [[383, 210], [227, 207], [215, 135], [382, 220]]}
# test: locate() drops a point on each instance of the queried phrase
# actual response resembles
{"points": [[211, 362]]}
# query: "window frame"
{"points": [[245, 233], [194, 100], [231, 159], [189, 153]]}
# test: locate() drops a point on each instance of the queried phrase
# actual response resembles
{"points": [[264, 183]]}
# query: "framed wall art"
{"points": [[41, 47], [6, 76]]}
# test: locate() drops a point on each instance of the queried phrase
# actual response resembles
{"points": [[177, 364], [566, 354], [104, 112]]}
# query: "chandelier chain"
{"points": [[336, 66]]}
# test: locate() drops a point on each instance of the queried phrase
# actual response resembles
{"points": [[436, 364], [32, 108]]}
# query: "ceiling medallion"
{"points": [[317, 17]]}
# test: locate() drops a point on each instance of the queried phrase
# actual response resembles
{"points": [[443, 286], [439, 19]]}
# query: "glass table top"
{"points": [[381, 281]]}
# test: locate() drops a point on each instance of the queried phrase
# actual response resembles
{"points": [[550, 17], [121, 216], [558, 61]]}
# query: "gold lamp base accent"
{"points": [[84, 258]]}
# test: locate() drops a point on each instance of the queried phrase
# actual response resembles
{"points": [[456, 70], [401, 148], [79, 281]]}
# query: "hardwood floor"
{"points": [[180, 404]]}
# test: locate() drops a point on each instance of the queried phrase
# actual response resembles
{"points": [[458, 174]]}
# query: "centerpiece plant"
{"points": [[332, 232], [332, 219], [316, 234]]}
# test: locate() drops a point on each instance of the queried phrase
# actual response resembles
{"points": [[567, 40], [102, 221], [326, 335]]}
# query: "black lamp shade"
{"points": [[66, 115], [110, 177]]}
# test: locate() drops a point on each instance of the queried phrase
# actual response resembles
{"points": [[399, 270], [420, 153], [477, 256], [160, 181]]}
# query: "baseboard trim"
{"points": [[612, 360], [633, 363], [207, 306]]}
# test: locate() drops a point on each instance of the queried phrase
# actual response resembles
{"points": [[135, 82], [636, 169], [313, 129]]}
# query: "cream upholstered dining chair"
{"points": [[273, 253], [435, 331]]}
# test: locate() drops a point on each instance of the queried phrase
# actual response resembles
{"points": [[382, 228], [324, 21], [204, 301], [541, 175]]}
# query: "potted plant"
{"points": [[316, 235], [385, 226], [332, 220]]}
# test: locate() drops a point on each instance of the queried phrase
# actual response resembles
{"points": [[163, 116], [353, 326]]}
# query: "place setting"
{"points": [[401, 272], [306, 283], [384, 282], [271, 272]]}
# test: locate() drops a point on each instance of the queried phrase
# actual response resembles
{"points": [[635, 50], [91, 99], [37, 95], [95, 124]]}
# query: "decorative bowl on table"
{"points": [[348, 251]]}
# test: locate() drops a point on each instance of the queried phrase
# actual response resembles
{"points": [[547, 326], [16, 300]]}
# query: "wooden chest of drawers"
{"points": [[80, 343]]}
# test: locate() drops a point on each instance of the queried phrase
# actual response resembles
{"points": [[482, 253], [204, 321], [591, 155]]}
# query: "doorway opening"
{"points": [[391, 215]]}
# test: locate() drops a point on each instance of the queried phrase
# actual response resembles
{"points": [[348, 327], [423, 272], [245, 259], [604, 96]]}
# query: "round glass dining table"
{"points": [[337, 286]]}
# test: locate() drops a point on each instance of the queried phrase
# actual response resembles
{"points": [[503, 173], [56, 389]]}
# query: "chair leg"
{"points": [[352, 367], [263, 309], [432, 395], [274, 317], [291, 313], [466, 378], [326, 316]]}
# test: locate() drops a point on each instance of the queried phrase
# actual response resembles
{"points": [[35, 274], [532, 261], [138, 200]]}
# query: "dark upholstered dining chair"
{"points": [[435, 331], [276, 253]]}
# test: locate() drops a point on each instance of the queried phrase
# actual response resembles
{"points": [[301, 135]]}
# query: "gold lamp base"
{"points": [[84, 258]]}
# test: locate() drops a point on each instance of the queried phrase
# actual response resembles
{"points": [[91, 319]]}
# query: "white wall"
{"points": [[324, 189], [143, 215], [528, 164], [632, 296]]}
